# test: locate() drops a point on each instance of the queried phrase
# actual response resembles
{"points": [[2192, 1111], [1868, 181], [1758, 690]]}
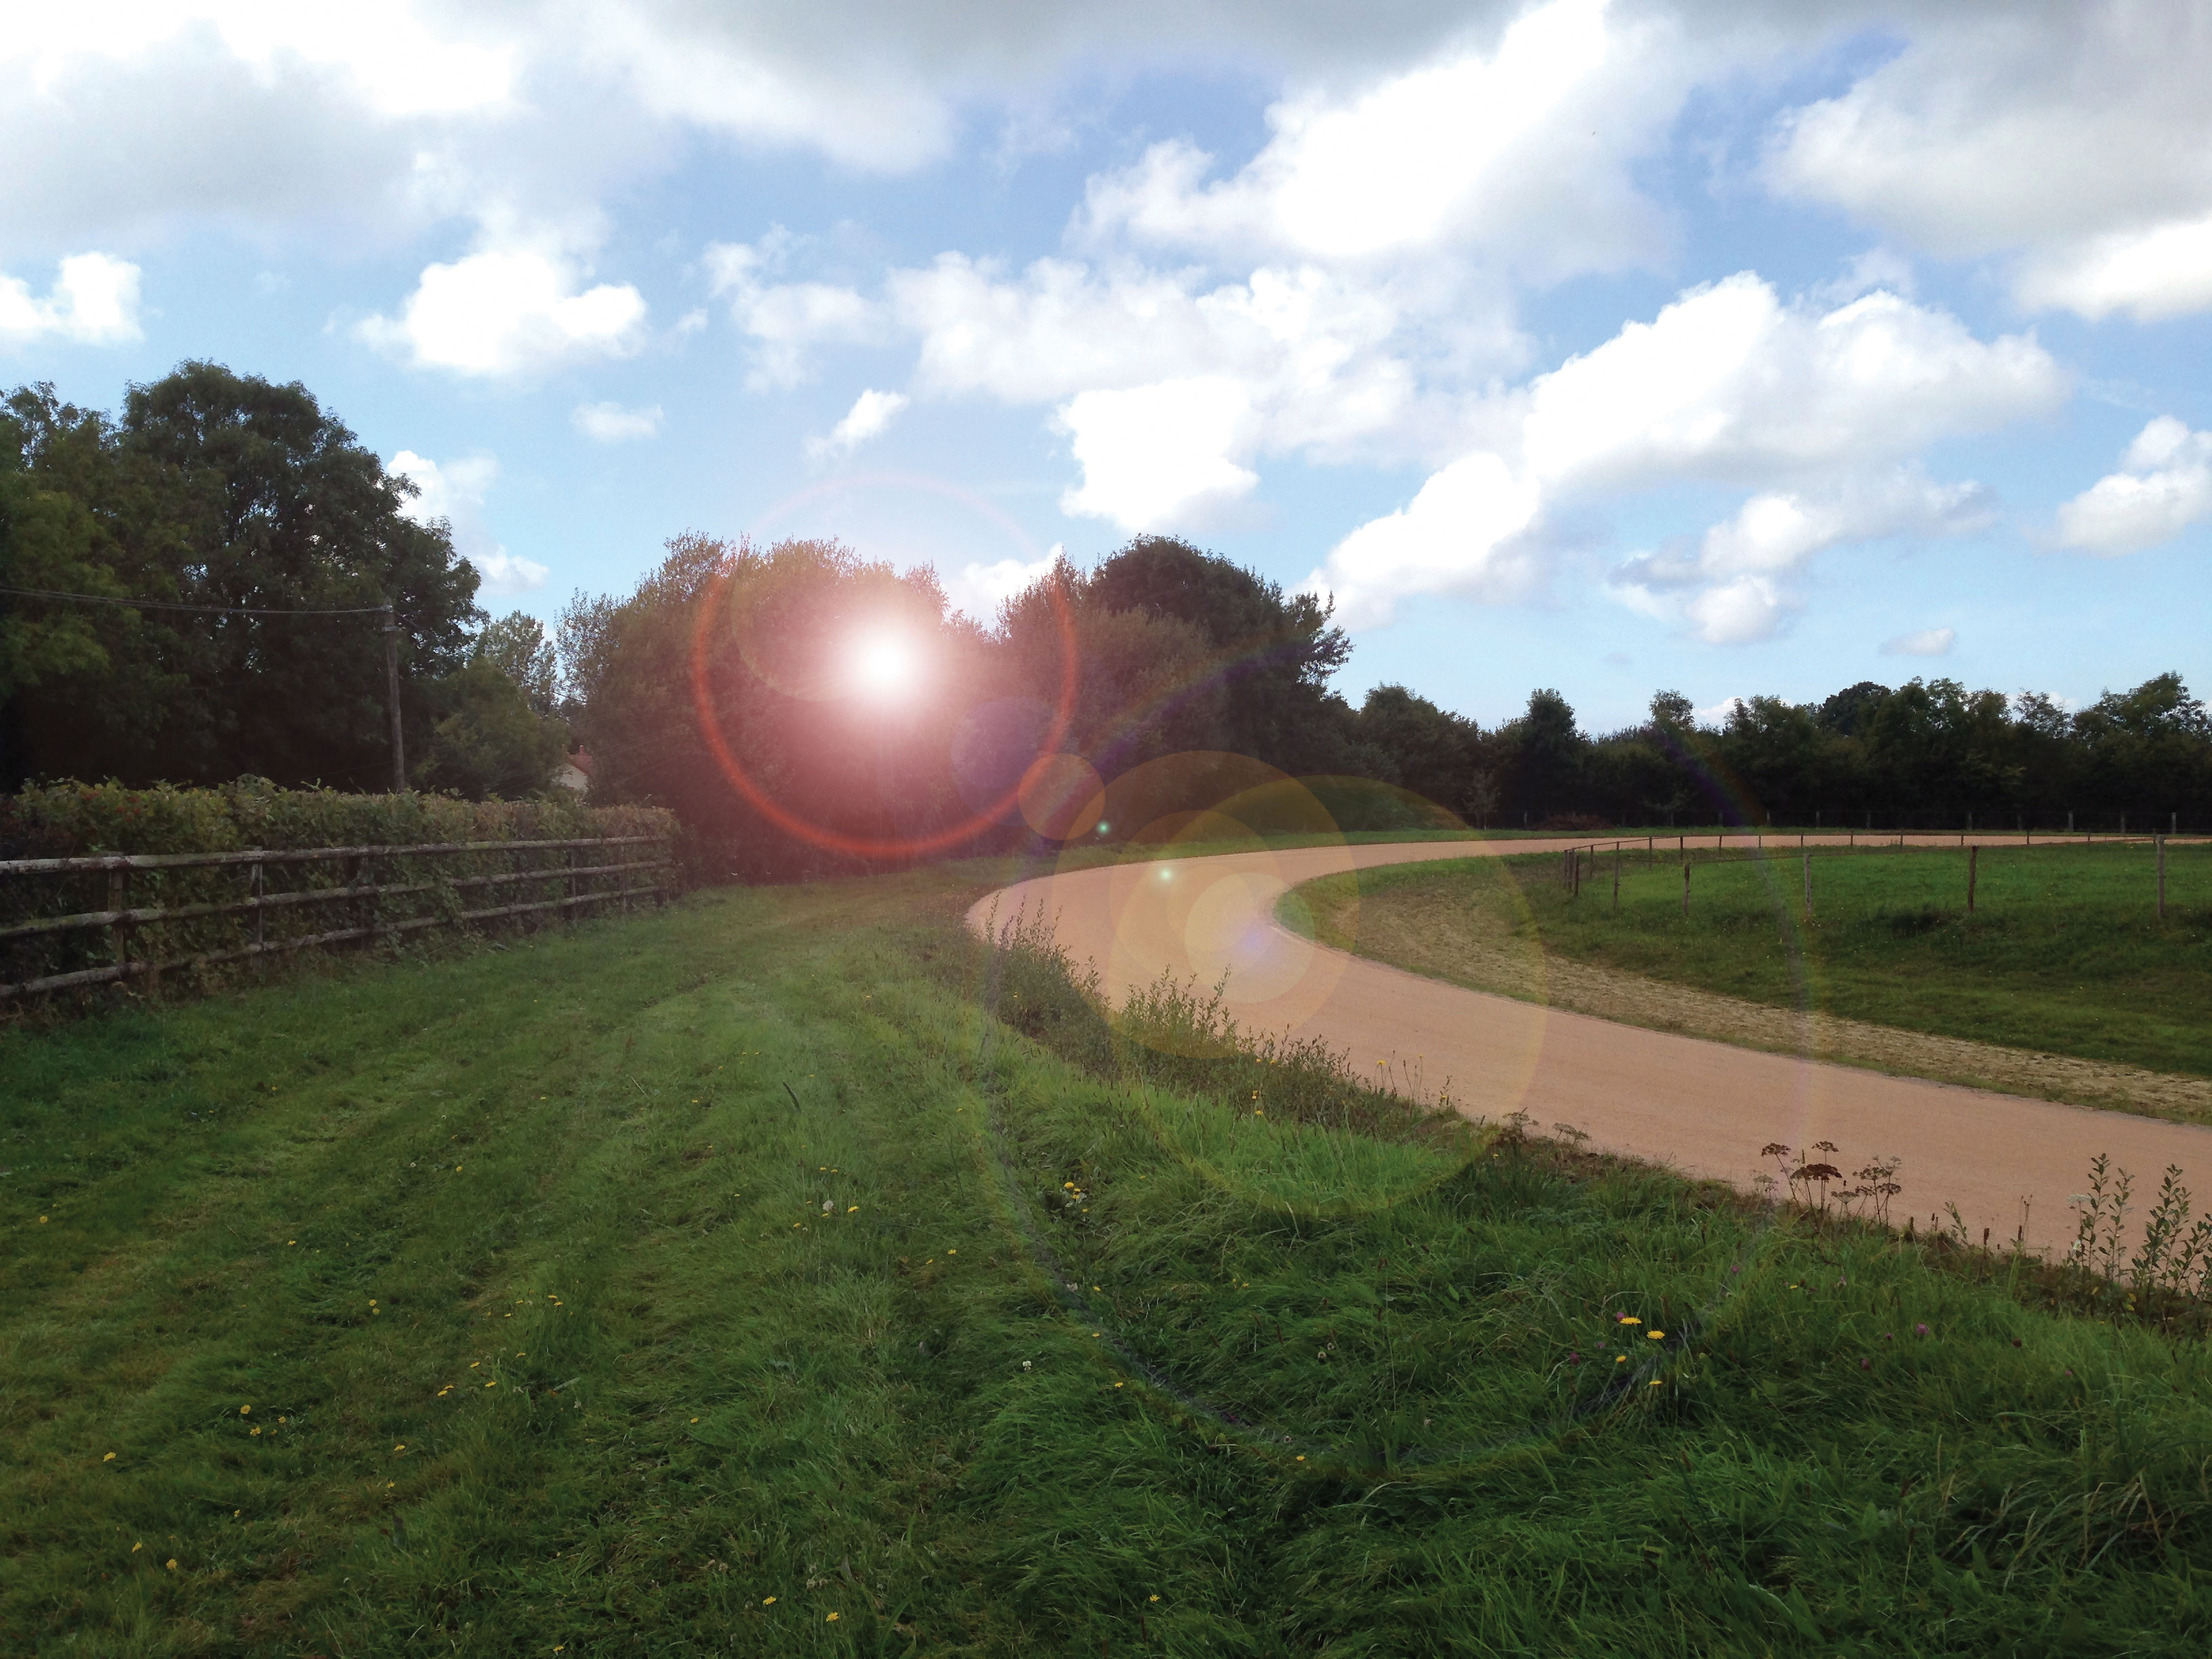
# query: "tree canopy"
{"points": [[219, 489]]}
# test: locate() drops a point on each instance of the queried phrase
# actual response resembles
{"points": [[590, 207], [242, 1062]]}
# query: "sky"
{"points": [[1731, 349]]}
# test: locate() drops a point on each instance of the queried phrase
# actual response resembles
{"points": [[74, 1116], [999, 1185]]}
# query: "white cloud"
{"points": [[980, 589], [2076, 140], [1819, 412], [1523, 150], [2164, 485], [2158, 271], [506, 311], [869, 416], [455, 493], [94, 301], [612, 424], [1154, 456], [786, 320], [1926, 643]]}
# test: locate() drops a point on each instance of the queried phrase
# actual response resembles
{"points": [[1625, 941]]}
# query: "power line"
{"points": [[201, 610]]}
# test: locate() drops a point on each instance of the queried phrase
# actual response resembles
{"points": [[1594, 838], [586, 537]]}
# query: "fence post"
{"points": [[118, 900], [256, 887]]}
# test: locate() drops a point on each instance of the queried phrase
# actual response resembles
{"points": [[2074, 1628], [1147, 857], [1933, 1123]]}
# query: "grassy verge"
{"points": [[723, 1281], [2063, 953]]}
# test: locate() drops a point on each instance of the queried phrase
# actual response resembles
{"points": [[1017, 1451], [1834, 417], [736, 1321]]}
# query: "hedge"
{"points": [[71, 820]]}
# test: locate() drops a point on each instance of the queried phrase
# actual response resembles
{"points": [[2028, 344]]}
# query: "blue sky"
{"points": [[1731, 349]]}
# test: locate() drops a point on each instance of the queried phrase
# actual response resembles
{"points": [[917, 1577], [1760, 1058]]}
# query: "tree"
{"points": [[226, 491], [1420, 747], [516, 645], [1274, 653], [1549, 757], [493, 742]]}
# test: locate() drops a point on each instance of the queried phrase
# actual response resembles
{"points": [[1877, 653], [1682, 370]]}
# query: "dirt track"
{"points": [[1701, 1107]]}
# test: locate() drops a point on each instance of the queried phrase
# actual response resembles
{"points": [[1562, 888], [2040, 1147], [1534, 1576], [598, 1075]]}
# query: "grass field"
{"points": [[723, 1281], [2063, 953]]}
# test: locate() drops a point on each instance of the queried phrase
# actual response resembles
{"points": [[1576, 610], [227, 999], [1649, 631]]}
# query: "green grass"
{"points": [[1071, 1335], [2062, 954]]}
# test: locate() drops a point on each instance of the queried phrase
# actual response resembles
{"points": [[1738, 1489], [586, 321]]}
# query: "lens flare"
{"points": [[884, 665]]}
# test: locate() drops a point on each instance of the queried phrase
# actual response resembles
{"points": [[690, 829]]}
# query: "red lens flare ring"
{"points": [[836, 841]]}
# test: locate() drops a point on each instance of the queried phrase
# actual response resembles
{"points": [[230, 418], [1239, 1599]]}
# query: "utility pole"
{"points": [[391, 689]]}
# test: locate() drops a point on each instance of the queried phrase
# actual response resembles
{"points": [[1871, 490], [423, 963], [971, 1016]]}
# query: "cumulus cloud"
{"points": [[2074, 140], [453, 494], [507, 312], [786, 320], [2164, 485], [980, 589], [1524, 150], [1925, 642], [612, 424], [869, 416], [94, 301], [1819, 412], [1156, 455]]}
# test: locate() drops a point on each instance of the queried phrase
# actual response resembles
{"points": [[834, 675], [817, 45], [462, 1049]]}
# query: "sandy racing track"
{"points": [[1703, 1108]]}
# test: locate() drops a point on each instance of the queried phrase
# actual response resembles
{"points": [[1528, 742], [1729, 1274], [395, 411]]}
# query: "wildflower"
{"points": [[831, 1619], [952, 1253], [401, 1447], [1152, 1598], [291, 1241], [1621, 1359], [173, 1564], [110, 1458], [1920, 1330], [852, 1209], [1655, 1382], [135, 1548], [768, 1601], [493, 1384], [245, 1410], [256, 1431], [1656, 1336], [1628, 1319], [1025, 1364], [1866, 1365], [1117, 1385], [694, 1420], [1302, 1457]]}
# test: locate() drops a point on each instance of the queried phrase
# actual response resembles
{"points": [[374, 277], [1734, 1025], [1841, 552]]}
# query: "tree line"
{"points": [[244, 513], [724, 686]]}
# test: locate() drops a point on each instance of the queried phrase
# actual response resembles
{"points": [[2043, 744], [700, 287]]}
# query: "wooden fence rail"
{"points": [[610, 876]]}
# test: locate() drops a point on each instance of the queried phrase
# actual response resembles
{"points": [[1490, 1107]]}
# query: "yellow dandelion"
{"points": [[1151, 1598], [694, 1420], [42, 1221], [173, 1564], [135, 1548], [1302, 1457], [110, 1458], [952, 1253], [768, 1601], [1621, 1359], [493, 1384], [257, 1430], [830, 1619], [291, 1241], [1630, 1319], [245, 1410], [401, 1447], [852, 1209], [1655, 1335], [1655, 1382]]}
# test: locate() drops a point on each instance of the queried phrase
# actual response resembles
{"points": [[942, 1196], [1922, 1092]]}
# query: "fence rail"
{"points": [[197, 931]]}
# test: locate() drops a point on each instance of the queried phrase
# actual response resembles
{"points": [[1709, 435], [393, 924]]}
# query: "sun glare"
{"points": [[883, 665]]}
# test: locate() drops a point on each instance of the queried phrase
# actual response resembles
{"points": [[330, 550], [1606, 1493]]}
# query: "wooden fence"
{"points": [[52, 939]]}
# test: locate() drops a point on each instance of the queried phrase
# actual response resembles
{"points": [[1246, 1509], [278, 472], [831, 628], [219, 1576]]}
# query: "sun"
{"points": [[883, 665]]}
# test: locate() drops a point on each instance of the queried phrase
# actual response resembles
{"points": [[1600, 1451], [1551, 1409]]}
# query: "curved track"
{"points": [[1700, 1106]]}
